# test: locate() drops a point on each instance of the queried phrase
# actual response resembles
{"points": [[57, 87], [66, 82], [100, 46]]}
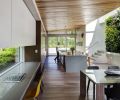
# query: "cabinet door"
{"points": [[5, 23], [23, 25]]}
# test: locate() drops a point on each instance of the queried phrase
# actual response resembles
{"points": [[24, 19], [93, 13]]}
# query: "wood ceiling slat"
{"points": [[59, 14], [74, 4]]}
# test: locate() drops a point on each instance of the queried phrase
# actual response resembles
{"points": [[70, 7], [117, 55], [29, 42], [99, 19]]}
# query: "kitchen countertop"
{"points": [[16, 90]]}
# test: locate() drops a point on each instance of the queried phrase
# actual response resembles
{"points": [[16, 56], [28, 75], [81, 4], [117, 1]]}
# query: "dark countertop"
{"points": [[16, 90]]}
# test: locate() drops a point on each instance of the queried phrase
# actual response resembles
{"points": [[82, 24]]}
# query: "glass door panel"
{"points": [[70, 42], [52, 43], [62, 43]]}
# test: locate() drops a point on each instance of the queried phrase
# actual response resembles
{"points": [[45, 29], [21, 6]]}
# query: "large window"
{"points": [[8, 57], [52, 42], [65, 43], [70, 42], [62, 42]]}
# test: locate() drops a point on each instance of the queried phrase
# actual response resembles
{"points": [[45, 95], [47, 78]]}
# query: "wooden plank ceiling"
{"points": [[67, 14]]}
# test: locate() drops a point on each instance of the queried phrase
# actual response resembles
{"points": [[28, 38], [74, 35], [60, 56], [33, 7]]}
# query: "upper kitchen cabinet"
{"points": [[5, 23], [17, 25], [23, 25]]}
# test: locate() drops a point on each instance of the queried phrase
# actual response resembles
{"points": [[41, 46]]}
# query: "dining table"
{"points": [[100, 79]]}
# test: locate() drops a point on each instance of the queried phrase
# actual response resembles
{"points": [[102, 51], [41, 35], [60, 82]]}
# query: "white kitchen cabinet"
{"points": [[23, 25], [17, 25], [5, 23]]}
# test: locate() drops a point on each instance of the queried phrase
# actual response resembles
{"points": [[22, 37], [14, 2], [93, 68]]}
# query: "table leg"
{"points": [[99, 91], [82, 85]]}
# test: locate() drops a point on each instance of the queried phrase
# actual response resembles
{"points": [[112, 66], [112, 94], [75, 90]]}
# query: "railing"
{"points": [[91, 58]]}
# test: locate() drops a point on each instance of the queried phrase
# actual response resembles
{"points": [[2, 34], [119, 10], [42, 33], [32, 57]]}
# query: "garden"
{"points": [[7, 57]]}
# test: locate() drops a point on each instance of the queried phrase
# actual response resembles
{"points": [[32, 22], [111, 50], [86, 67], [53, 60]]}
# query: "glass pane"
{"points": [[62, 42], [8, 57], [65, 43], [70, 42], [52, 42]]}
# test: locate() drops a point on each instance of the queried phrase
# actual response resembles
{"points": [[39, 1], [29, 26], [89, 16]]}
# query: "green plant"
{"points": [[113, 33], [7, 56], [72, 49]]}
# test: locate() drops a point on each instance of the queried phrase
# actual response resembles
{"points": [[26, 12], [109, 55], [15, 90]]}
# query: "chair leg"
{"points": [[88, 85], [42, 86], [107, 92], [108, 98], [41, 89], [42, 83], [93, 91]]}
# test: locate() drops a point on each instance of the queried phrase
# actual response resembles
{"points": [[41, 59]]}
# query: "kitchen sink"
{"points": [[15, 77]]}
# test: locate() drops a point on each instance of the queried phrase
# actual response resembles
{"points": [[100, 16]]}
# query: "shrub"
{"points": [[7, 56], [113, 33]]}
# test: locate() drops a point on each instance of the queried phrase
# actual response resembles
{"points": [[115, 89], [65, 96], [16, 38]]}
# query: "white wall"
{"points": [[113, 58], [79, 38], [98, 40]]}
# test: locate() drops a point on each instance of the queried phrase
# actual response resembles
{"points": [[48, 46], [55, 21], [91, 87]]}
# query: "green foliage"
{"points": [[113, 33], [52, 42], [72, 48], [63, 41], [7, 56]]}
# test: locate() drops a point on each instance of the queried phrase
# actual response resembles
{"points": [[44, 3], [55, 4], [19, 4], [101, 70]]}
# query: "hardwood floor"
{"points": [[60, 85]]}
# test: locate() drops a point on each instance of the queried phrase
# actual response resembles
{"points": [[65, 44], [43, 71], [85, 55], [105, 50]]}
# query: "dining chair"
{"points": [[36, 86], [110, 89], [34, 91], [113, 93], [113, 67]]}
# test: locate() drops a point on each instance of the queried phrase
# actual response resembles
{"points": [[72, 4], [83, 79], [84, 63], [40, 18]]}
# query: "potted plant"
{"points": [[72, 50]]}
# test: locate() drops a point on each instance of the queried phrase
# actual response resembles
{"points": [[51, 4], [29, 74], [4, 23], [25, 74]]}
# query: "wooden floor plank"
{"points": [[60, 85]]}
